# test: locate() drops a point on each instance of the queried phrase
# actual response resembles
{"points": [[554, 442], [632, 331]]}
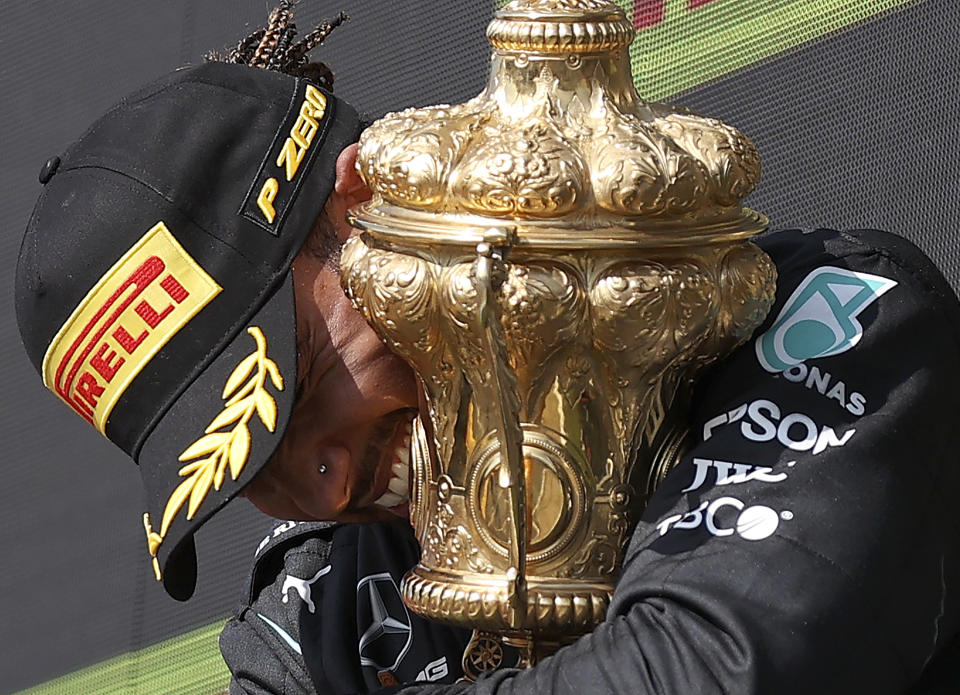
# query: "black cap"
{"points": [[154, 292]]}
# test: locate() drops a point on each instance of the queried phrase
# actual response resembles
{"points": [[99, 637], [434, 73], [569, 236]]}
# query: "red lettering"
{"points": [[102, 364], [128, 342], [88, 387], [81, 408], [647, 13], [150, 315], [140, 279], [694, 4], [176, 291]]}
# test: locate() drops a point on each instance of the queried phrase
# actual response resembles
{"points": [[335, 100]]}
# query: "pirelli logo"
{"points": [[295, 146], [128, 316]]}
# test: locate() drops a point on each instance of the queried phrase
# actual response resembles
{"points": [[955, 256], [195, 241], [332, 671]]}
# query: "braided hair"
{"points": [[275, 47]]}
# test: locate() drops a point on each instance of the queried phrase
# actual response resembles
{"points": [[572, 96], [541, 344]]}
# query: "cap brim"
{"points": [[218, 435]]}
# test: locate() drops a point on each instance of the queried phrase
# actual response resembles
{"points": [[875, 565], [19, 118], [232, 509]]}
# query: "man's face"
{"points": [[344, 455]]}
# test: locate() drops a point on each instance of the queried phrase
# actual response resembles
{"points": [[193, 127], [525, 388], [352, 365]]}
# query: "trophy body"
{"points": [[557, 260]]}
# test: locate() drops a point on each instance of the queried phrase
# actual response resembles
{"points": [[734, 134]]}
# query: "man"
{"points": [[177, 287], [806, 543]]}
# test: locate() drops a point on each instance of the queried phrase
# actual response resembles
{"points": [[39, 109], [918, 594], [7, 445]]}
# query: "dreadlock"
{"points": [[274, 47]]}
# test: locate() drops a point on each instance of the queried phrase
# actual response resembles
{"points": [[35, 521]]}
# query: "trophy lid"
{"points": [[559, 149]]}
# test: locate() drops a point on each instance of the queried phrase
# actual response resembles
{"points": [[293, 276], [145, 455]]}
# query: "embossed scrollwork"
{"points": [[647, 317], [731, 159], [544, 308], [535, 171], [598, 555], [551, 6], [448, 545], [637, 171], [397, 294], [407, 156], [558, 29], [748, 282]]}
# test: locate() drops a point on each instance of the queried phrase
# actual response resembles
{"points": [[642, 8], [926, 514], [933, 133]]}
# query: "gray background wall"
{"points": [[859, 128]]}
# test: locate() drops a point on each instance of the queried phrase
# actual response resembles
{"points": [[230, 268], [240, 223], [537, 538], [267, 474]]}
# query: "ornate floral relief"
{"points": [[748, 281], [397, 294], [653, 311], [640, 293], [647, 318], [550, 139], [560, 26], [598, 558], [448, 545], [548, 6], [731, 159], [540, 299], [460, 302], [407, 156], [460, 307], [639, 171], [528, 172], [544, 310]]}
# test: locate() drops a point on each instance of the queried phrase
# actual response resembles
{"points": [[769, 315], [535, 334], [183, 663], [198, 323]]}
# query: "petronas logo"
{"points": [[820, 317]]}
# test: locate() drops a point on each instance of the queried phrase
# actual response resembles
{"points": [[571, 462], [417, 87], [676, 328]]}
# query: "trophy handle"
{"points": [[489, 275]]}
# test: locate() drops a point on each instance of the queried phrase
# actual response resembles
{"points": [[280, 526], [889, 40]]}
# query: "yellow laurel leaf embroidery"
{"points": [[191, 467], [153, 539], [200, 489], [239, 450], [245, 394], [205, 445], [230, 414], [153, 545], [274, 373], [176, 501], [267, 409], [242, 371], [245, 391], [219, 475]]}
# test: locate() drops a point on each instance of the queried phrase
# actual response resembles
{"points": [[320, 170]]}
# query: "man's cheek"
{"points": [[325, 495]]}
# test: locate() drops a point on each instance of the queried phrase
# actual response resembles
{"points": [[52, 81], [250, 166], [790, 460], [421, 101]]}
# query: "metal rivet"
{"points": [[49, 169]]}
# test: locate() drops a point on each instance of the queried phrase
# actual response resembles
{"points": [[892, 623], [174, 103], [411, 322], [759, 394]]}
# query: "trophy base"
{"points": [[485, 652], [556, 610]]}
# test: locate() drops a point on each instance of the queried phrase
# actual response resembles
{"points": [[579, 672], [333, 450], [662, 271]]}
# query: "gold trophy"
{"points": [[557, 259]]}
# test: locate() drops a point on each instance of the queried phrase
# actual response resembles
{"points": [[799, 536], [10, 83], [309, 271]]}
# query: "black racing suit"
{"points": [[809, 542]]}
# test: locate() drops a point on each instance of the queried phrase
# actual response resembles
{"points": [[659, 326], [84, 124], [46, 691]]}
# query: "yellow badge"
{"points": [[299, 139], [128, 316]]}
